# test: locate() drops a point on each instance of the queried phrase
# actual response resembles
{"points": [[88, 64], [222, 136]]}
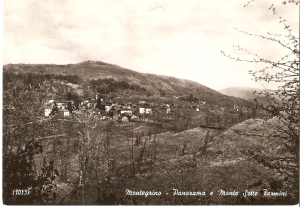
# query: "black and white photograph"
{"points": [[153, 102]]}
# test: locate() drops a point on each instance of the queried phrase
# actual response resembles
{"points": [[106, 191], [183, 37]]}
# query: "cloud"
{"points": [[178, 38]]}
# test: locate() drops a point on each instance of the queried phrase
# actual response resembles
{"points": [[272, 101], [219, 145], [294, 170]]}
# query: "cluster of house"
{"points": [[129, 111], [62, 108], [195, 102], [104, 108]]}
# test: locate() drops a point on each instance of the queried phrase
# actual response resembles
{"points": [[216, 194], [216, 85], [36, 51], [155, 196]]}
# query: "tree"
{"points": [[23, 117], [24, 129], [95, 162], [22, 184], [283, 102], [162, 92]]}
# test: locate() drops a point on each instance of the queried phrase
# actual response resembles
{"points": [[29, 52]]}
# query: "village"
{"points": [[105, 109]]}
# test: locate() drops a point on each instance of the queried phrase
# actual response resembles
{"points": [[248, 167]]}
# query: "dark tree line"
{"points": [[107, 85], [34, 80]]}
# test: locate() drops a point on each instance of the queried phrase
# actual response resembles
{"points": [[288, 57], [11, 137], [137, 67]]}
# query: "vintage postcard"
{"points": [[155, 102]]}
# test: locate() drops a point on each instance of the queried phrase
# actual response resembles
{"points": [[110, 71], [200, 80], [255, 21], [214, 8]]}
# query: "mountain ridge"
{"points": [[155, 84], [102, 67]]}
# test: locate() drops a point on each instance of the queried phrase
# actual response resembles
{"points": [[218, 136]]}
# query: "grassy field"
{"points": [[174, 161]]}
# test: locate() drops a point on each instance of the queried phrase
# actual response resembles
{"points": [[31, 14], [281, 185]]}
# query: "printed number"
{"points": [[21, 191]]}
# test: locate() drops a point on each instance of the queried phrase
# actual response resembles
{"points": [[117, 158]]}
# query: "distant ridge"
{"points": [[247, 94], [241, 92]]}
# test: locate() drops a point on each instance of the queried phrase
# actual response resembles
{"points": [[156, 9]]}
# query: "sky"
{"points": [[179, 38]]}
